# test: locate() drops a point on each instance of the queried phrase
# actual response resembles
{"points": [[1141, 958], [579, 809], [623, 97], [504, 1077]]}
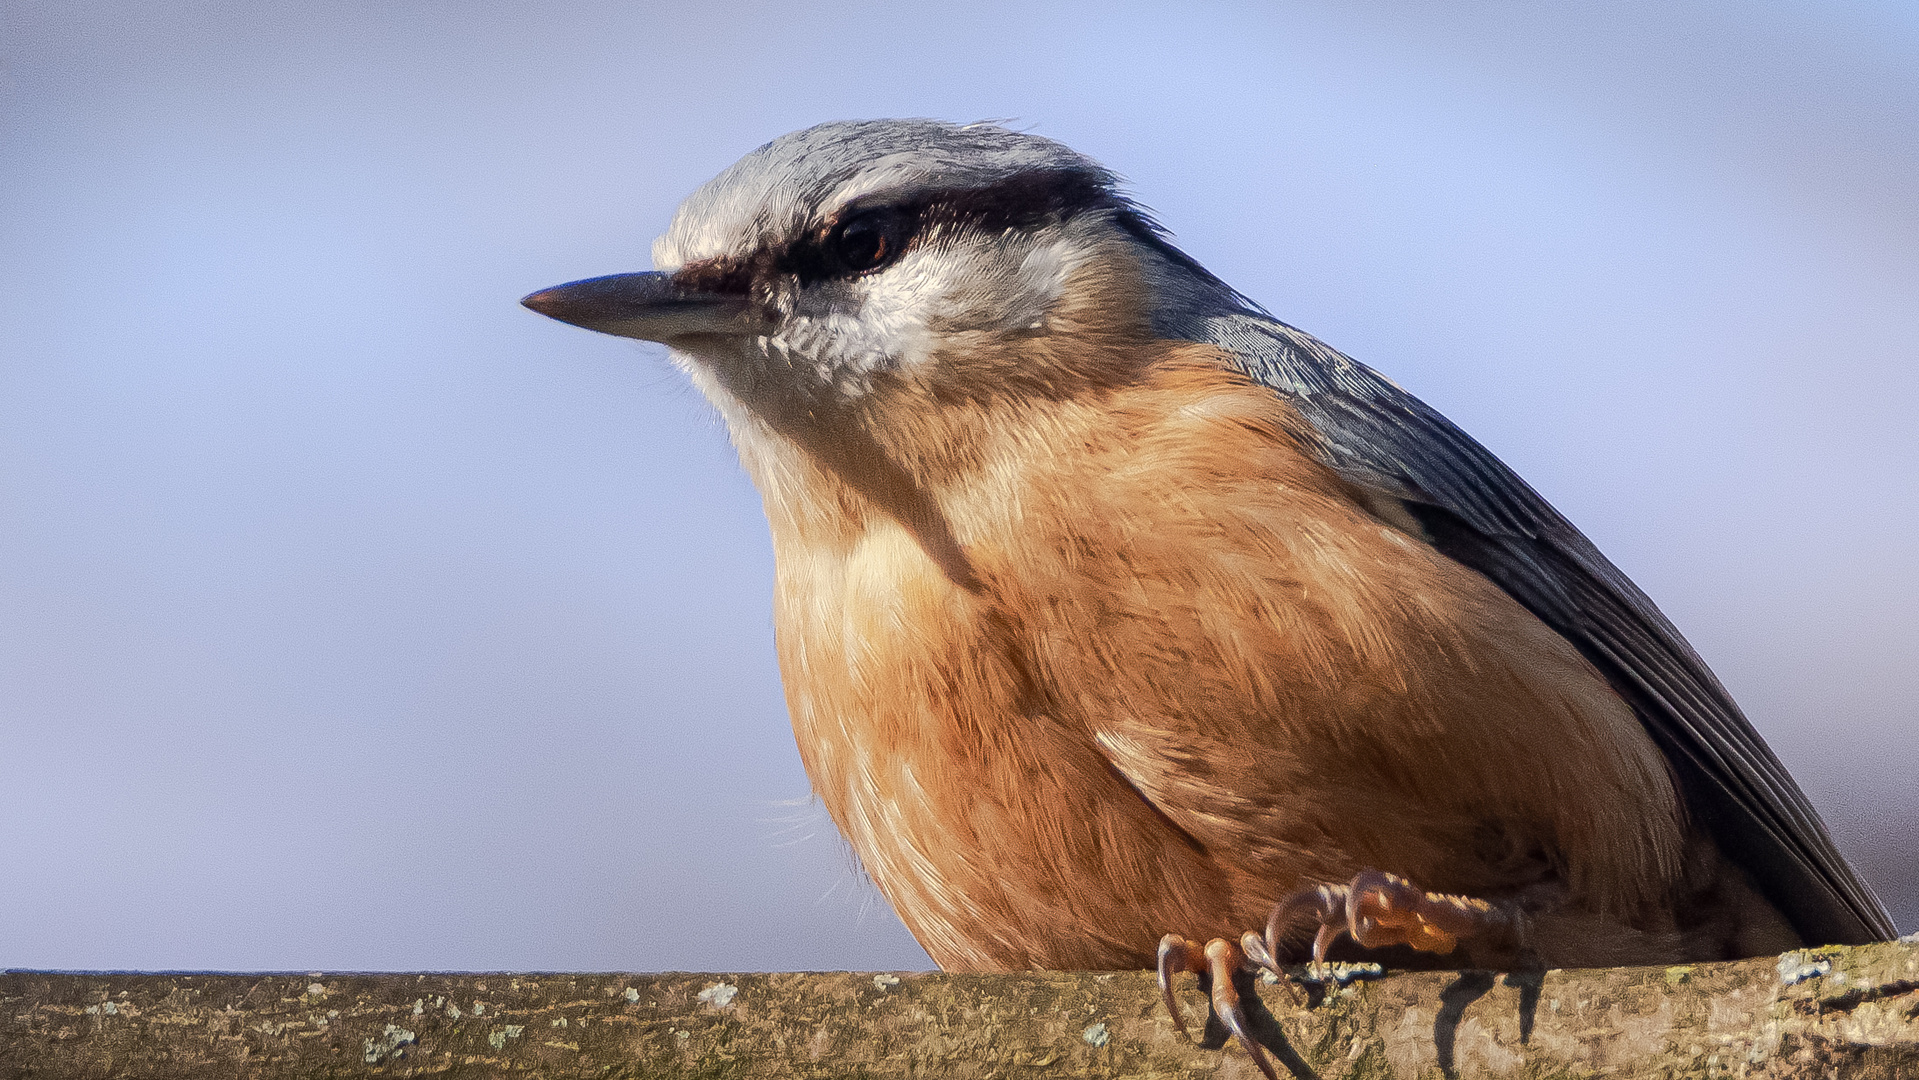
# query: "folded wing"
{"points": [[1480, 513]]}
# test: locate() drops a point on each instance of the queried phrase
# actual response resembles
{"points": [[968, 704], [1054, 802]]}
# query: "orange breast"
{"points": [[1195, 674]]}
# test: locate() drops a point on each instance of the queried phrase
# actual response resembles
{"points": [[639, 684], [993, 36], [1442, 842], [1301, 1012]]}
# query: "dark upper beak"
{"points": [[651, 306]]}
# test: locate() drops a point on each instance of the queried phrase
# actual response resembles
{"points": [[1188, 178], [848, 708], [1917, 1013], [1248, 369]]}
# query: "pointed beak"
{"points": [[650, 306]]}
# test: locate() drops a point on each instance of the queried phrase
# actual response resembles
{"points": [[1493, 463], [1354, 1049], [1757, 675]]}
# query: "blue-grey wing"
{"points": [[1480, 513]]}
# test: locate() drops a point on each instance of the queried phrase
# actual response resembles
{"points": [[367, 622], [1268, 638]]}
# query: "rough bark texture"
{"points": [[1818, 1013]]}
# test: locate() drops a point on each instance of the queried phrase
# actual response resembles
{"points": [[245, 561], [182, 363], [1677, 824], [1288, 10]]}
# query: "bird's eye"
{"points": [[870, 240]]}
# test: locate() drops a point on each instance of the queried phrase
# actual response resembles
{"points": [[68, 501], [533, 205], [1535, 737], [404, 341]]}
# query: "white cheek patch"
{"points": [[835, 349], [1041, 281], [1009, 285], [998, 285], [843, 347]]}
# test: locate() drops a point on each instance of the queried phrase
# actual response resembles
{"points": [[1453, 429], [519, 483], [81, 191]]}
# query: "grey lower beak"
{"points": [[651, 306]]}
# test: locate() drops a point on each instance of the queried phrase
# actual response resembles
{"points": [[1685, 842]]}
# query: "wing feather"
{"points": [[1480, 513]]}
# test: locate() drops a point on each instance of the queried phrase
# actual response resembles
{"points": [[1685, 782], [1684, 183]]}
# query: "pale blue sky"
{"points": [[353, 617]]}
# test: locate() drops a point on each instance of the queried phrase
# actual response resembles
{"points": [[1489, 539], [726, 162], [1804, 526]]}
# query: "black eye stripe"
{"points": [[847, 247], [1022, 201]]}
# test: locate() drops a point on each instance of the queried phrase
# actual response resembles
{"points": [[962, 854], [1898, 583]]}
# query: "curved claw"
{"points": [[1218, 962], [1175, 956], [1257, 954], [1323, 941], [1260, 956], [1223, 961]]}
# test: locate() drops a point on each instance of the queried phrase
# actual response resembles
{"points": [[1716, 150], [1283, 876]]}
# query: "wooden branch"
{"points": [[1817, 1013]]}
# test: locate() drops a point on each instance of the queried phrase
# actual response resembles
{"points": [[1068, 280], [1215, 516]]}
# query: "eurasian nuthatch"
{"points": [[1117, 616]]}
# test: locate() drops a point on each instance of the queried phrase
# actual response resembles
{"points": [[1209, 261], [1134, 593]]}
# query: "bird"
{"points": [[1124, 626]]}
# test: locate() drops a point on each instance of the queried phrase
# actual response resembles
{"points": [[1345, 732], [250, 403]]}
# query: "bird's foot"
{"points": [[1379, 910], [1376, 909], [1216, 963]]}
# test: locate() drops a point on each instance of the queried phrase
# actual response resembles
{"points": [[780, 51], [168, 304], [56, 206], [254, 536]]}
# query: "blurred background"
{"points": [[353, 617]]}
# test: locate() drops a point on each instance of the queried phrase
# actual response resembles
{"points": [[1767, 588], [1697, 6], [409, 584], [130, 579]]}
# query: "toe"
{"points": [[1224, 960], [1177, 954]]}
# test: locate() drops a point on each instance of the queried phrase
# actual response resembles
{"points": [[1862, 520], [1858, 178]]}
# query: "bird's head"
{"points": [[834, 259], [839, 285]]}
